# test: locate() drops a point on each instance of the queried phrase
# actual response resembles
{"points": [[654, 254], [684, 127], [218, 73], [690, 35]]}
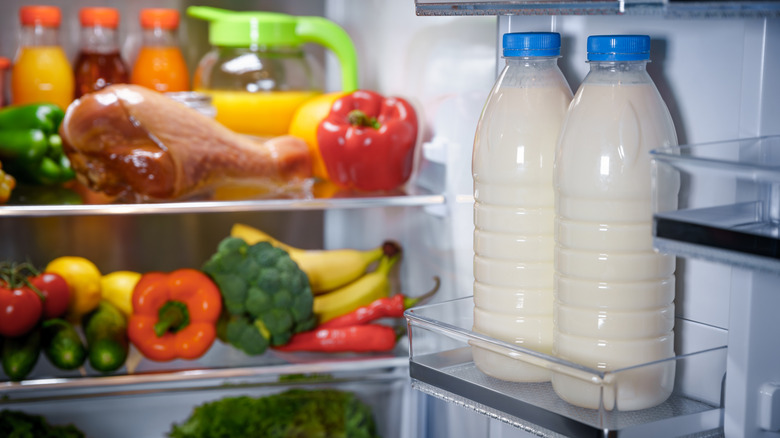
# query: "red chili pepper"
{"points": [[174, 314], [367, 141], [356, 339], [392, 307]]}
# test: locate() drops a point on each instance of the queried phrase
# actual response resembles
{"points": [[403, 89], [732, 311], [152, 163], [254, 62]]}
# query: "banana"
{"points": [[327, 269], [361, 292]]}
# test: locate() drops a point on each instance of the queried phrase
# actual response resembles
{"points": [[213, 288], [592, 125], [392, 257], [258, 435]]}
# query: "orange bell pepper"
{"points": [[174, 314]]}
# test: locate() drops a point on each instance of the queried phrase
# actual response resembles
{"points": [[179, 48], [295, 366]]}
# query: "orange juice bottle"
{"points": [[160, 64], [41, 71]]}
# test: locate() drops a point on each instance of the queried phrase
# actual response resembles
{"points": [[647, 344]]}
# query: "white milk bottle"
{"points": [[613, 293], [512, 166]]}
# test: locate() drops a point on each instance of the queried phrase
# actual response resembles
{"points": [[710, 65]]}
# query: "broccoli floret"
{"points": [[293, 413], [245, 336], [19, 424], [264, 290]]}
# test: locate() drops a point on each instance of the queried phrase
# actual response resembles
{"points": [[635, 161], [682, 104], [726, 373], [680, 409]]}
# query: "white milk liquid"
{"points": [[613, 292], [513, 226]]}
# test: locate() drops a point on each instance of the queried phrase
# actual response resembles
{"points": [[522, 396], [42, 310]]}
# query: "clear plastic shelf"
{"points": [[441, 364], [729, 207]]}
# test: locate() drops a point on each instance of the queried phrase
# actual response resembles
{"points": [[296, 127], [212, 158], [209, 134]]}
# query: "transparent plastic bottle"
{"points": [[41, 71], [99, 63], [614, 294], [514, 149], [160, 64]]}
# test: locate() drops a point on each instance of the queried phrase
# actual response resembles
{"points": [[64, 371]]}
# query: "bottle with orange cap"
{"points": [[41, 71], [160, 64], [99, 62]]}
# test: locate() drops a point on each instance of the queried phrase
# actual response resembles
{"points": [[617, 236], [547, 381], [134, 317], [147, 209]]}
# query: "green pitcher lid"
{"points": [[247, 28]]}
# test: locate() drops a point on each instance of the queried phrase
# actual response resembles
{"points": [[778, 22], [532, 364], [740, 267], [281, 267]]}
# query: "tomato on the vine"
{"points": [[55, 291], [20, 309]]}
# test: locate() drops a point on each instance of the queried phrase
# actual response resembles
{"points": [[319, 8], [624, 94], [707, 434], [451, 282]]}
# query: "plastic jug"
{"points": [[257, 72]]}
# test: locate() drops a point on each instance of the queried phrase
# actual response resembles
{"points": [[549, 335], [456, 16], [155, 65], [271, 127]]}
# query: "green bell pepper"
{"points": [[30, 147]]}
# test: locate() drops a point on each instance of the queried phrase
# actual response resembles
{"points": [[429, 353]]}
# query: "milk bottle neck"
{"points": [[536, 61], [618, 71]]}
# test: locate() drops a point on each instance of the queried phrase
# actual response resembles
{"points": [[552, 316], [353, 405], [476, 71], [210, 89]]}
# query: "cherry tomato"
{"points": [[56, 293], [20, 310]]}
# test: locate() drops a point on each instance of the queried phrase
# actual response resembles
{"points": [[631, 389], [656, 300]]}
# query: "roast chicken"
{"points": [[138, 145]]}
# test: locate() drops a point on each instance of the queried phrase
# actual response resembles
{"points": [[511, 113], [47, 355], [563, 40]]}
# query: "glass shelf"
{"points": [[413, 196], [442, 365], [211, 371], [668, 8]]}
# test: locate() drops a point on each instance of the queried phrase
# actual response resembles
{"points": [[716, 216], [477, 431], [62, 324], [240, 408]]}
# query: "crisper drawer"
{"points": [[145, 407], [442, 365]]}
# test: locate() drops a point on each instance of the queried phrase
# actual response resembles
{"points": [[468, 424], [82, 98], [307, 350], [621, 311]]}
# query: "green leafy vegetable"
{"points": [[267, 297], [296, 413], [17, 424]]}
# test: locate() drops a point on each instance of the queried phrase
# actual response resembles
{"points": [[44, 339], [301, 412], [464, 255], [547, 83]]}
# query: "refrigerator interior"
{"points": [[716, 75]]}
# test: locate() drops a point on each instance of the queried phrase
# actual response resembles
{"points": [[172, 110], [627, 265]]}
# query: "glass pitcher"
{"points": [[257, 72]]}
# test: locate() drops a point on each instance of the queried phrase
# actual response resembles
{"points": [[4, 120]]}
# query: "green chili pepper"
{"points": [[44, 116], [30, 146]]}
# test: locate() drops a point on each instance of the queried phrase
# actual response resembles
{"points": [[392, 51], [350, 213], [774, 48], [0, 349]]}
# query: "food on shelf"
{"points": [[326, 269], [20, 354], [361, 338], [368, 141], [138, 145], [21, 306], [304, 125], [7, 184], [106, 331], [295, 412], [30, 146], [160, 64], [98, 63], [384, 307], [62, 344], [117, 288], [174, 314], [18, 424], [54, 291], [266, 296], [364, 290], [83, 277]]}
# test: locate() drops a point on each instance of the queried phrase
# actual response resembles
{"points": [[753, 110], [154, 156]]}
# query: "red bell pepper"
{"points": [[174, 314], [367, 141]]}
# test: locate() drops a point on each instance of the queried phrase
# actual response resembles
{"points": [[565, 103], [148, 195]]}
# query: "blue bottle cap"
{"points": [[532, 44], [618, 47]]}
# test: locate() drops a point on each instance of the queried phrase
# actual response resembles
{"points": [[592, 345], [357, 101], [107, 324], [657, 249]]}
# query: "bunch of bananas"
{"points": [[340, 279]]}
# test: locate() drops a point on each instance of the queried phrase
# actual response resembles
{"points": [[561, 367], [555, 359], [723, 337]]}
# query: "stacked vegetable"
{"points": [[253, 293]]}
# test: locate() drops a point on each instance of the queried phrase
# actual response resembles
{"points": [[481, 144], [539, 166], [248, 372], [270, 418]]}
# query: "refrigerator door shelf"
{"points": [[441, 347]]}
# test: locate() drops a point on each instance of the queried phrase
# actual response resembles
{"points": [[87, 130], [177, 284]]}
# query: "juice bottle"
{"points": [[614, 294], [41, 71], [514, 149], [99, 63], [160, 64]]}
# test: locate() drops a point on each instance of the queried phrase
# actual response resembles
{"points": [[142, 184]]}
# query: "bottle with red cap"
{"points": [[160, 64], [41, 71], [99, 62]]}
